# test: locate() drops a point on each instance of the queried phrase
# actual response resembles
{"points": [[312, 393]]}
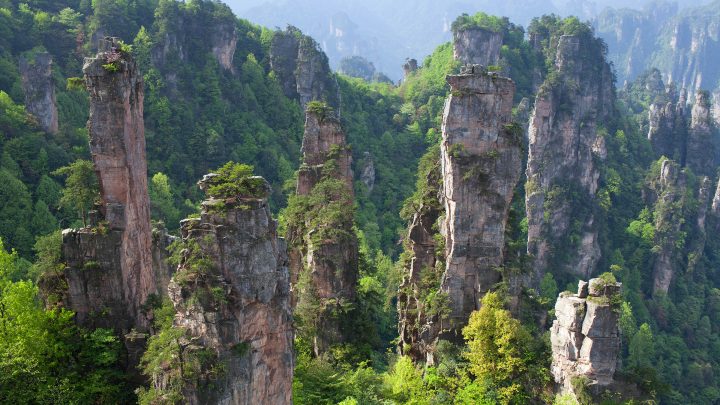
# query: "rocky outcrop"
{"points": [[562, 175], [477, 46], [324, 250], [39, 89], [232, 302], [585, 337], [667, 130], [670, 199], [180, 27], [480, 156], [409, 67], [109, 264], [303, 69]]}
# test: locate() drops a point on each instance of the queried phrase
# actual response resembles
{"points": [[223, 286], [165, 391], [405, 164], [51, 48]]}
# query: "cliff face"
{"points": [[681, 44], [177, 42], [303, 69], [684, 132], [231, 297], [561, 170], [584, 336], [418, 323], [670, 193], [477, 46], [324, 252], [702, 143], [480, 156], [37, 83], [667, 130], [110, 265]]}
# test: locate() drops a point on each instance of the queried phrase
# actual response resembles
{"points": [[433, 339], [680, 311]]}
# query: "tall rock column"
{"points": [[232, 301], [110, 264], [670, 189], [481, 164], [702, 142], [561, 170], [324, 248], [37, 83]]}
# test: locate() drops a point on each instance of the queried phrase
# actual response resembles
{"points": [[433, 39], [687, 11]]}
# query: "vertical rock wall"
{"points": [[561, 171], [585, 337], [37, 83], [303, 69], [670, 191], [480, 157], [702, 142], [117, 146], [477, 46], [324, 270], [231, 296], [109, 269]]}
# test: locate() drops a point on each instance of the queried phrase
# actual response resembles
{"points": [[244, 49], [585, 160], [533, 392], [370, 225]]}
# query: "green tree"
{"points": [[162, 201], [501, 350], [642, 349], [15, 212], [81, 187]]}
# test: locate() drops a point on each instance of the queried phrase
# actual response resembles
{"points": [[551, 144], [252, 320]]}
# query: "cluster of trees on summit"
{"points": [[198, 116]]}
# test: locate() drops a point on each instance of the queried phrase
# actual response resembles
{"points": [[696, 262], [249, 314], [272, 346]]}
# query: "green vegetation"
{"points": [[235, 180]]}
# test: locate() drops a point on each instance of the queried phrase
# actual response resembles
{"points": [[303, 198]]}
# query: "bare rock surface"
{"points": [[585, 336], [39, 89]]}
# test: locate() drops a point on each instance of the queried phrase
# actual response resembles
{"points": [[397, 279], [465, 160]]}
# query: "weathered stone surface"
{"points": [[563, 146], [224, 40], [331, 265], [240, 309], [480, 161], [702, 142], [39, 89], [303, 69], [418, 327], [585, 337], [109, 265], [477, 46], [670, 193], [667, 126], [583, 289], [117, 147]]}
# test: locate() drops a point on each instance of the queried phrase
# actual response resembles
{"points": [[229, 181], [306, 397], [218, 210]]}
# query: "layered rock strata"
{"points": [[324, 267], [477, 46], [667, 130], [110, 264], [480, 160], [303, 69], [232, 300], [562, 174], [39, 89], [585, 337]]}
